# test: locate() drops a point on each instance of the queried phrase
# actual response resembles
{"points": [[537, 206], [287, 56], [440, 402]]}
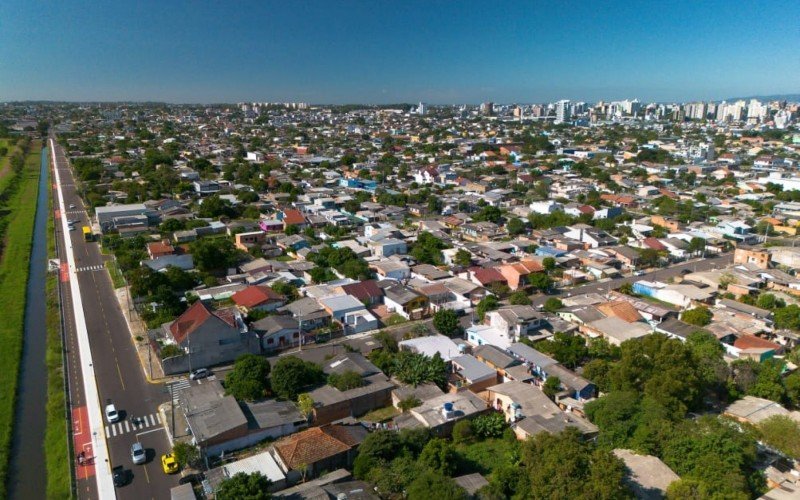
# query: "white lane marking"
{"points": [[158, 417], [152, 420], [108, 434], [127, 426], [151, 430]]}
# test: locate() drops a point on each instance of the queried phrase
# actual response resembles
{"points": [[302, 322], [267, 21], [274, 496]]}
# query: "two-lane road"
{"points": [[118, 372]]}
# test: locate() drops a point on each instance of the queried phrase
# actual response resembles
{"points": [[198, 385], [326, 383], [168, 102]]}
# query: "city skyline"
{"points": [[354, 53]]}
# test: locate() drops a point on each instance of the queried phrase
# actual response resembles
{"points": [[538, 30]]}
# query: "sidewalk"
{"points": [[147, 358]]}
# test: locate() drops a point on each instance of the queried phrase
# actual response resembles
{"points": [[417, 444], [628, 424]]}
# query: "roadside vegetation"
{"points": [[17, 213], [56, 439]]}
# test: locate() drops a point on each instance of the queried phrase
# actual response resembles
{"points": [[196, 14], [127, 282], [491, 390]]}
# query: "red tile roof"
{"points": [[487, 276], [364, 290], [313, 445], [753, 342], [254, 296], [194, 317], [654, 244], [189, 321], [292, 216]]}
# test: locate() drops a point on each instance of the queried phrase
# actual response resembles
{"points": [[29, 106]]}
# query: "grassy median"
{"points": [[18, 212], [56, 439]]}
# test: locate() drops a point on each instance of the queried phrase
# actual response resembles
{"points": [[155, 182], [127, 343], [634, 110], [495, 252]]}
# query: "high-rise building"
{"points": [[487, 108], [422, 109], [563, 110]]}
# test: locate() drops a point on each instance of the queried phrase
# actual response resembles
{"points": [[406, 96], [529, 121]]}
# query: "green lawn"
{"points": [[381, 414], [21, 210], [56, 439]]}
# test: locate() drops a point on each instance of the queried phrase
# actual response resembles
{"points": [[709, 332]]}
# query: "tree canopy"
{"points": [[248, 379], [291, 375]]}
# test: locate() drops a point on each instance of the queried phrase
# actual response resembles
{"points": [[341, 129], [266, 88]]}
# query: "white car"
{"points": [[138, 455], [72, 206], [111, 412]]}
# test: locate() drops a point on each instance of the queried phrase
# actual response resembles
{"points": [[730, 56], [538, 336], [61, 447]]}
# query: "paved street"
{"points": [[118, 373]]}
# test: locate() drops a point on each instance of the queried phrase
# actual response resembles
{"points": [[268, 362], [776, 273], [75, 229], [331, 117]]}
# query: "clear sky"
{"points": [[373, 51]]}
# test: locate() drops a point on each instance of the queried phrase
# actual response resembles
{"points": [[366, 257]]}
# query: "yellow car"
{"points": [[169, 464]]}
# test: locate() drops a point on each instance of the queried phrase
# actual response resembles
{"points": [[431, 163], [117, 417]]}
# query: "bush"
{"points": [[489, 426], [462, 431], [446, 322], [346, 380], [170, 350]]}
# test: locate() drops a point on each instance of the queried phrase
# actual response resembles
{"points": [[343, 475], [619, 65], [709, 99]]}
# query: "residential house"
{"points": [[277, 332], [312, 451], [470, 373], [208, 338], [258, 298], [531, 412], [405, 302], [518, 274]]}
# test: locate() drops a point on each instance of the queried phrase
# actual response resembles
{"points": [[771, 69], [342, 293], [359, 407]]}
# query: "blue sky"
{"points": [[406, 51]]}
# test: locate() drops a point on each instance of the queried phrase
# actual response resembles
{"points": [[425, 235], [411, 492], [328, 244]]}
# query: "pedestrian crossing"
{"points": [[127, 425], [90, 268], [74, 212], [177, 387]]}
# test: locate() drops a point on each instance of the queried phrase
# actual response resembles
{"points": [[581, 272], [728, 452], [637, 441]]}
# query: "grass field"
{"points": [[19, 211], [56, 444], [5, 161]]}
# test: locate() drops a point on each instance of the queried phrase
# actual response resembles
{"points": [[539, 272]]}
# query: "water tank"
{"points": [[448, 407]]}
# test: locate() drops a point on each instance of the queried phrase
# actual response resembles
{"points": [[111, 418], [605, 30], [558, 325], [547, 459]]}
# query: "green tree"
{"points": [[561, 466], [769, 301], [291, 374], [212, 254], [519, 298], [515, 226], [551, 387], [428, 249], [699, 316], [489, 425], [540, 281], [415, 369], [549, 263], [305, 403], [462, 431], [439, 456], [248, 379], [781, 433], [552, 305], [243, 486], [566, 348], [788, 317], [463, 258], [185, 453], [446, 322], [428, 482], [488, 303]]}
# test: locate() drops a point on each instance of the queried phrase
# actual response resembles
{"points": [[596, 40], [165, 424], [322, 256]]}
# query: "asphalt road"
{"points": [[118, 372], [704, 264]]}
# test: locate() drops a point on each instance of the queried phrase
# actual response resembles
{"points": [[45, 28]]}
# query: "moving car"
{"points": [[72, 205], [119, 476], [111, 412], [199, 373], [138, 456], [169, 464]]}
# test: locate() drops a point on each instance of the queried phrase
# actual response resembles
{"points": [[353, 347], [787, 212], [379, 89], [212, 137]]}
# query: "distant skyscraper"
{"points": [[487, 108], [422, 109], [563, 111]]}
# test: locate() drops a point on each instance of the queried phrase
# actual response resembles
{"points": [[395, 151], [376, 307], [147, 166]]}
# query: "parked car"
{"points": [[138, 456], [71, 206], [111, 412], [199, 373], [169, 464]]}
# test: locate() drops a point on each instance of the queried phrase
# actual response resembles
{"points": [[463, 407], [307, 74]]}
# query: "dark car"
{"points": [[120, 476]]}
